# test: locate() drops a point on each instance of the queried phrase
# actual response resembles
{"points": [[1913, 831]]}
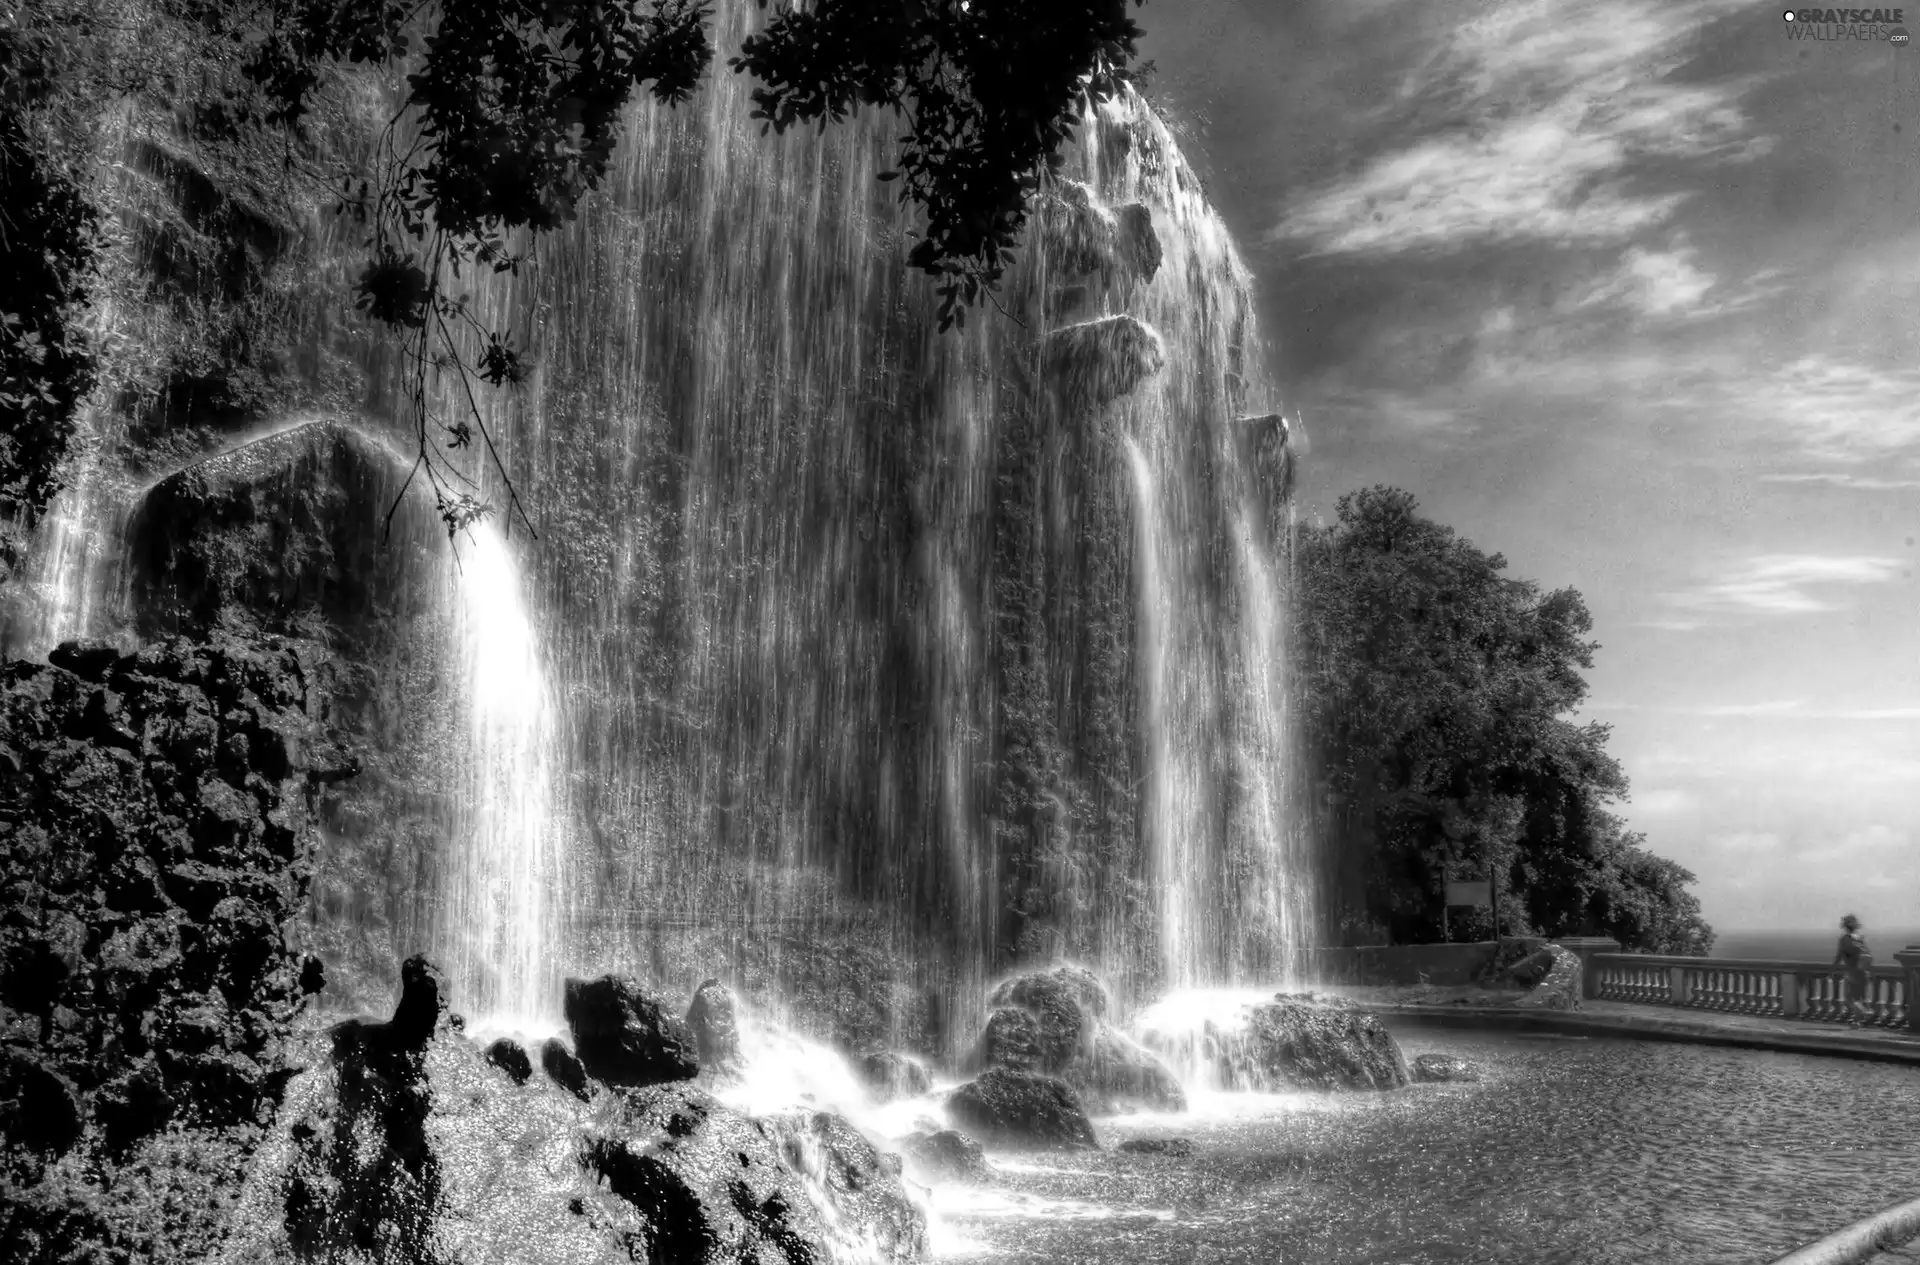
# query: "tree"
{"points": [[510, 113], [1434, 690]]}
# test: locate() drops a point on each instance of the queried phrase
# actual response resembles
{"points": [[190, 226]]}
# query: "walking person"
{"points": [[1854, 958]]}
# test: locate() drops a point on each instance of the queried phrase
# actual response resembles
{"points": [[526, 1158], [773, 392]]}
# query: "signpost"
{"points": [[1469, 895]]}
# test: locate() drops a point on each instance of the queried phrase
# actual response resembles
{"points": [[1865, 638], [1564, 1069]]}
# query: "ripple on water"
{"points": [[1592, 1152]]}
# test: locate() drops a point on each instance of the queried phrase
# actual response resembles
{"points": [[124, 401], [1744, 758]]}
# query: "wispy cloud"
{"points": [[1863, 483], [1784, 584], [1838, 411], [1554, 107]]}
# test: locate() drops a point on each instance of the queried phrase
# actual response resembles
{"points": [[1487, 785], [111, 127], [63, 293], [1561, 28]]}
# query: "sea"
{"points": [[1811, 944]]}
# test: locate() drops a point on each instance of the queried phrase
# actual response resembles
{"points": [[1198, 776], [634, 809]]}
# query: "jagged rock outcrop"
{"points": [[1022, 1110], [624, 1035], [154, 837], [1054, 1022]]}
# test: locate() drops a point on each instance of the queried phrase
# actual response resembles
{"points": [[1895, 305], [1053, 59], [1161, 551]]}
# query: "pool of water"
{"points": [[1569, 1152]]}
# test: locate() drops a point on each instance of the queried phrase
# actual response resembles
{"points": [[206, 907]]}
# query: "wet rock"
{"points": [[1173, 1148], [856, 1186], [1022, 1109], [86, 659], [716, 1030], [1053, 1022], [1119, 1073], [1552, 978], [39, 1109], [712, 1185], [624, 1036], [423, 1002], [945, 1155], [560, 1065], [1434, 1068], [1300, 1041], [1270, 439], [892, 1075], [511, 1057], [1097, 362]]}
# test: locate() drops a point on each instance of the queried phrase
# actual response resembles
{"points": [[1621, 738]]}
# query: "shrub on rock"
{"points": [[625, 1036], [1022, 1109]]}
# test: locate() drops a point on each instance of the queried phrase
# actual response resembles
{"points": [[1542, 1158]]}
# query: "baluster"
{"points": [[1897, 1011]]}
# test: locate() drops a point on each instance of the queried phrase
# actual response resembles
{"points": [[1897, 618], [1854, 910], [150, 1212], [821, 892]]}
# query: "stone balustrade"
{"points": [[1780, 989]]}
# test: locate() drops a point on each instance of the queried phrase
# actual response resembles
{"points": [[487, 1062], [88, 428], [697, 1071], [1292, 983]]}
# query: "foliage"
{"points": [[47, 244], [991, 90], [1435, 690]]}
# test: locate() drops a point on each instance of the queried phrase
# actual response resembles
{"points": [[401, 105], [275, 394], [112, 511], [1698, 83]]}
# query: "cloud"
{"points": [[1862, 483], [1553, 110], [1838, 411], [1784, 584]]}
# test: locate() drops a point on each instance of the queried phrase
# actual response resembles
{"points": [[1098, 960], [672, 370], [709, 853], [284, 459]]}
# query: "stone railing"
{"points": [[1780, 989]]}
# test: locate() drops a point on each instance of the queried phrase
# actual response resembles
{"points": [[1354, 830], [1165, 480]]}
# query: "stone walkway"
{"points": [[1490, 1009]]}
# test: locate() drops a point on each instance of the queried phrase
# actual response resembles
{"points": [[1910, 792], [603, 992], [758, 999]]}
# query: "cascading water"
{"points": [[895, 657], [854, 661], [500, 934]]}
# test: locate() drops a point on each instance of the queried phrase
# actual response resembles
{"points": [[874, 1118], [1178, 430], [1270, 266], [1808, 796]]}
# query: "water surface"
{"points": [[1570, 1152]]}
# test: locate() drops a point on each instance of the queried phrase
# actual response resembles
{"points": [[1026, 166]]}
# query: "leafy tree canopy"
{"points": [[511, 110], [1435, 690]]}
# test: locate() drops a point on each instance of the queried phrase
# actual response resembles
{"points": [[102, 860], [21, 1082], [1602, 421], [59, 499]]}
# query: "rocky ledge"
{"points": [[407, 1142]]}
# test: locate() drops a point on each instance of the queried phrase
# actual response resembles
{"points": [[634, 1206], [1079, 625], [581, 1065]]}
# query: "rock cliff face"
{"points": [[155, 816]]}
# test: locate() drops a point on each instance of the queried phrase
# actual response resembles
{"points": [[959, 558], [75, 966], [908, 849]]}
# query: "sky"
{"points": [[1629, 293]]}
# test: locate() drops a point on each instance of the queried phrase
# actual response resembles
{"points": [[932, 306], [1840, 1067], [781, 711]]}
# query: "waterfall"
{"points": [[505, 893], [849, 660]]}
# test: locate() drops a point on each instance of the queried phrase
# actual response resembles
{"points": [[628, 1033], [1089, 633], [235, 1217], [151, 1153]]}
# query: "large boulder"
{"points": [[1022, 1110], [1095, 362], [716, 1028], [1551, 977], [625, 1036], [713, 1185], [890, 1075], [1303, 1041], [1054, 1022]]}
